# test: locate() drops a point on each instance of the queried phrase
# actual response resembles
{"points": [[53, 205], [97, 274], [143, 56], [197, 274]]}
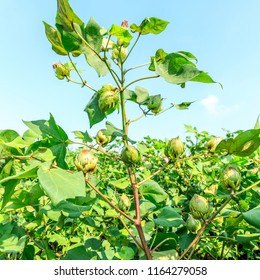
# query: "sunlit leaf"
{"points": [[60, 184], [55, 39], [66, 16], [168, 217], [150, 25]]}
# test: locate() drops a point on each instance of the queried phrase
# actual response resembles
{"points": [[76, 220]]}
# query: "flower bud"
{"points": [[86, 161], [174, 148], [231, 178], [124, 202], [130, 155], [212, 143], [199, 207], [61, 70], [155, 104], [101, 138], [108, 98], [119, 53], [193, 225]]}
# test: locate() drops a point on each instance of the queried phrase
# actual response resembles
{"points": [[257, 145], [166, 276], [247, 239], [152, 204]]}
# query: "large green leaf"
{"points": [[66, 16], [247, 238], [70, 40], [60, 184], [122, 183], [95, 115], [95, 62], [176, 69], [244, 144], [12, 244], [168, 217], [55, 39], [150, 25], [30, 172], [253, 217], [124, 37], [151, 191], [12, 142], [53, 137], [93, 35]]}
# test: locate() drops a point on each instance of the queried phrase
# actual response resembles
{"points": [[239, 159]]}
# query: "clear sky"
{"points": [[224, 35]]}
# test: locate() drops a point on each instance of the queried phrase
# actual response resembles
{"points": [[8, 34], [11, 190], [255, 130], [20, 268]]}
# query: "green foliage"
{"points": [[57, 203]]}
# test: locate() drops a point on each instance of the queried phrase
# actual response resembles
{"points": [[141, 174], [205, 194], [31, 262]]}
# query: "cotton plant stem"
{"points": [[138, 224]]}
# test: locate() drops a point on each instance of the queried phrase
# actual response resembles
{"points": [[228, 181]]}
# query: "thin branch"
{"points": [[138, 66], [130, 233], [108, 201], [141, 79]]}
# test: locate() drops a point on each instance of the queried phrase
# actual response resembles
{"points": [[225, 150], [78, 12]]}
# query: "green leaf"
{"points": [[253, 217], [204, 77], [12, 244], [84, 136], [151, 25], [257, 126], [146, 207], [30, 172], [60, 184], [168, 217], [54, 137], [70, 209], [9, 191], [124, 37], [247, 238], [126, 253], [244, 144], [183, 105], [95, 115], [12, 142], [113, 131], [66, 16], [55, 39], [177, 68], [151, 191], [95, 62], [78, 252], [93, 34], [70, 40], [139, 96], [122, 183]]}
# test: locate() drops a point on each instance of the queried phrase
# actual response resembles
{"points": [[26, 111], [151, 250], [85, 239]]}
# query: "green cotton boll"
{"points": [[108, 98], [101, 138], [193, 225], [174, 148], [200, 208], [124, 202], [212, 144], [86, 161], [61, 70], [231, 178], [130, 155]]}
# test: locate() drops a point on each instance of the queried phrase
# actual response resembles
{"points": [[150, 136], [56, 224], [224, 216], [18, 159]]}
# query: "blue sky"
{"points": [[224, 36]]}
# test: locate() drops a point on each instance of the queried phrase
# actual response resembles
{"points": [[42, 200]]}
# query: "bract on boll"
{"points": [[86, 161]]}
